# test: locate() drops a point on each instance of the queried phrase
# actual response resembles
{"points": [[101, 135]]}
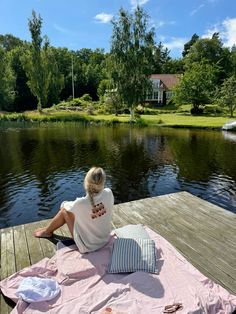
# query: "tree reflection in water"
{"points": [[42, 166]]}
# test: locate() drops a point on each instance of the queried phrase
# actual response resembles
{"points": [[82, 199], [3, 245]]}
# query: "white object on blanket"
{"points": [[35, 289]]}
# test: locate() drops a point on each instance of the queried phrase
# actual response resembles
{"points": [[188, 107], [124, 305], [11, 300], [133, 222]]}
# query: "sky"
{"points": [[77, 24]]}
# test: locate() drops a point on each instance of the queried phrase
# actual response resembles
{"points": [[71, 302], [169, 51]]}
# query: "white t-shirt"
{"points": [[90, 233]]}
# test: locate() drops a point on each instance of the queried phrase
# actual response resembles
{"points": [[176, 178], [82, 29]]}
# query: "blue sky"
{"points": [[77, 24]]}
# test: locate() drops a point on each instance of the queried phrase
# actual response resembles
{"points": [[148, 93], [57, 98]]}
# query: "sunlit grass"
{"points": [[175, 119]]}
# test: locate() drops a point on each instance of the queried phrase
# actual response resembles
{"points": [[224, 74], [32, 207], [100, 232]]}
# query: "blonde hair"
{"points": [[94, 182]]}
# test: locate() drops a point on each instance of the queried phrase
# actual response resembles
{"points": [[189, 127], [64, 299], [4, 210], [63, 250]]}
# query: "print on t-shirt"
{"points": [[98, 210]]}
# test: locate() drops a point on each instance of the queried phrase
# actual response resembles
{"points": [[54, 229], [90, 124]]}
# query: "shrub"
{"points": [[86, 97], [213, 109], [196, 111], [139, 109]]}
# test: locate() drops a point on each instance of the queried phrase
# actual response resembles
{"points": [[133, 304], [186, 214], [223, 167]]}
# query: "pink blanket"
{"points": [[87, 288]]}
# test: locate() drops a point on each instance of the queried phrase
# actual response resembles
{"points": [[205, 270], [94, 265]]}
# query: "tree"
{"points": [[189, 44], [211, 51], [233, 59], [160, 59], [7, 82], [196, 86], [56, 79], [131, 51], [39, 64], [24, 100], [9, 42], [226, 95], [174, 66]]}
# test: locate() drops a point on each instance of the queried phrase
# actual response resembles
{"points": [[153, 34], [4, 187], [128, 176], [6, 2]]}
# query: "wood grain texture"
{"points": [[202, 232]]}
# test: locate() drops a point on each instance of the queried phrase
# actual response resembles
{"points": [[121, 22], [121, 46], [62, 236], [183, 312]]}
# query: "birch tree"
{"points": [[132, 46]]}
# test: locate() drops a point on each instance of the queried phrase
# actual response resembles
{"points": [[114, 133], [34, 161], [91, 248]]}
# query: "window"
{"points": [[155, 95], [149, 96]]}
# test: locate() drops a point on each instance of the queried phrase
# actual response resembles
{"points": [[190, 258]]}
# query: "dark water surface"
{"points": [[42, 166]]}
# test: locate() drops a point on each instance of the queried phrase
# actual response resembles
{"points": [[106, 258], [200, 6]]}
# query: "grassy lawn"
{"points": [[175, 119], [185, 120]]}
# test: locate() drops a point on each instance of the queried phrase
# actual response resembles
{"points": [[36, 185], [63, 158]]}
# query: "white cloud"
{"points": [[176, 43], [209, 32], [226, 30], [163, 23], [229, 34], [61, 29], [135, 3], [197, 9], [103, 17]]}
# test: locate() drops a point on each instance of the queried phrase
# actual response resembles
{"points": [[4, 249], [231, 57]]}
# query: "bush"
{"points": [[75, 102], [213, 109], [139, 109], [123, 111], [196, 111], [86, 97]]}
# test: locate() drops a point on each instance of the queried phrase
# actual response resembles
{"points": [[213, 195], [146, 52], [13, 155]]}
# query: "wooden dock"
{"points": [[204, 233]]}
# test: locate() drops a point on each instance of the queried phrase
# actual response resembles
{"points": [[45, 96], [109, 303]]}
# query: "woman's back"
{"points": [[92, 224]]}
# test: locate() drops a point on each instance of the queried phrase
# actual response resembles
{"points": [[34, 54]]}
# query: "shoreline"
{"points": [[165, 120]]}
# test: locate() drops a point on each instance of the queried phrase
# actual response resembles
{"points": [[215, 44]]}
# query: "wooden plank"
{"points": [[210, 209], [48, 248], [21, 248], [204, 233], [166, 205], [119, 220], [5, 308], [200, 209], [8, 266], [34, 244], [193, 252], [213, 238]]}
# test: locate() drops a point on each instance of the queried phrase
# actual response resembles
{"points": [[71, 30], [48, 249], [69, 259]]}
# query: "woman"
{"points": [[88, 218]]}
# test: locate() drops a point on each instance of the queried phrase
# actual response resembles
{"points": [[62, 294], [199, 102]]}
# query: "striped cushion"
{"points": [[130, 255]]}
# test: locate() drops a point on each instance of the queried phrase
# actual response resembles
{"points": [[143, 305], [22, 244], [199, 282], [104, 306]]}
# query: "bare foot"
{"points": [[41, 233]]}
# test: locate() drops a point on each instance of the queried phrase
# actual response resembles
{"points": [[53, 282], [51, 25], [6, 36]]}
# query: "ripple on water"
{"points": [[48, 166]]}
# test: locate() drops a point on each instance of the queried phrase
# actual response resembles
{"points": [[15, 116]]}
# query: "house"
{"points": [[162, 88]]}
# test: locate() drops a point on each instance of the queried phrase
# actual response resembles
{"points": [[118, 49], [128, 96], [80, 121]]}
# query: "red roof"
{"points": [[169, 80]]}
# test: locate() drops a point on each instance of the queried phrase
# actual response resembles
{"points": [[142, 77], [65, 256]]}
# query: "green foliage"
{"points": [[189, 44], [9, 42], [144, 110], [226, 95], [86, 97], [131, 49], [7, 82], [212, 52], [40, 65], [196, 85], [213, 110], [173, 66], [160, 59], [80, 103], [23, 97], [102, 88], [112, 101], [233, 60]]}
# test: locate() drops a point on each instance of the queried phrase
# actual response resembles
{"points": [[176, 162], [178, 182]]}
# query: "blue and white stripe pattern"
{"points": [[130, 255]]}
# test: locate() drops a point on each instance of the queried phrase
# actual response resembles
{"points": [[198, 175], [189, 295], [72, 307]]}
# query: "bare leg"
{"points": [[59, 220]]}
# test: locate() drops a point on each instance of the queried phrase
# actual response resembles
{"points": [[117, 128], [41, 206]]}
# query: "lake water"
{"points": [[40, 166]]}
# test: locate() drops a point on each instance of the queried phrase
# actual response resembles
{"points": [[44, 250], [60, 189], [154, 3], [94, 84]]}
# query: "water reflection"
{"points": [[42, 166]]}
